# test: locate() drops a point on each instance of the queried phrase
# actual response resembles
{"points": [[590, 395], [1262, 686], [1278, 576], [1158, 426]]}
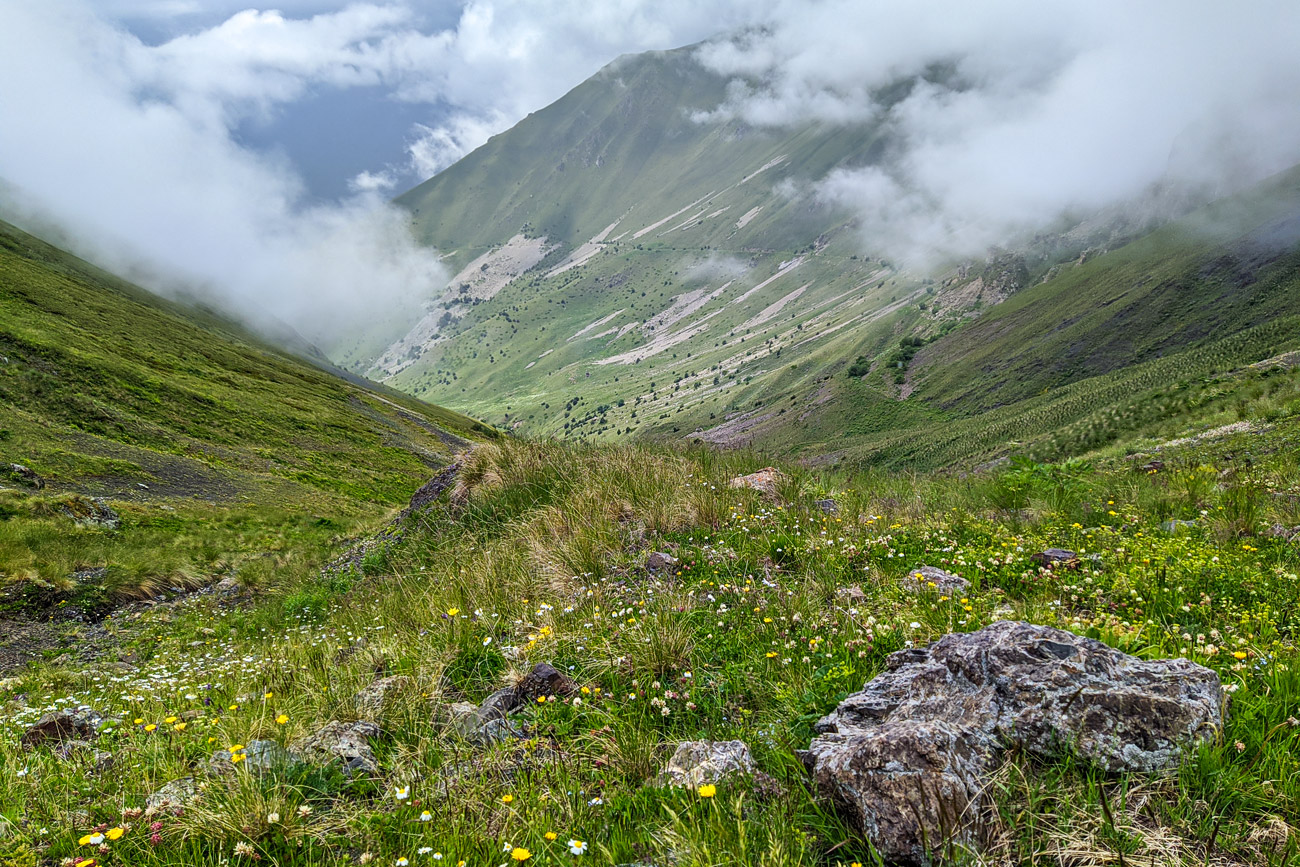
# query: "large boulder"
{"points": [[345, 743], [698, 762], [907, 757]]}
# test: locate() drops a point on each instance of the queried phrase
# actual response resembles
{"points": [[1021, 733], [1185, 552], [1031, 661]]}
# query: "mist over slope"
{"points": [[655, 255]]}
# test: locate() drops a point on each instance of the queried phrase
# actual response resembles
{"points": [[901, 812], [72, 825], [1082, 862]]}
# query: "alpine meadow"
{"points": [[506, 432]]}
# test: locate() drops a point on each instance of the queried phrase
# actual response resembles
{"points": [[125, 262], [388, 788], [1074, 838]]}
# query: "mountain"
{"points": [[630, 264], [204, 440]]}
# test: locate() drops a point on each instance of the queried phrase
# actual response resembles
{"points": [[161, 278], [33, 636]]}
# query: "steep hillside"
{"points": [[630, 266], [201, 449]]}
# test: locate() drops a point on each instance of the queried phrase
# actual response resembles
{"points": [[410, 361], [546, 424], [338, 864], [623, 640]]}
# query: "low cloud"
{"points": [[1025, 110]]}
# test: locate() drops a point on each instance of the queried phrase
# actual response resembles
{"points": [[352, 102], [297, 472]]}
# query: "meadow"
{"points": [[774, 610]]}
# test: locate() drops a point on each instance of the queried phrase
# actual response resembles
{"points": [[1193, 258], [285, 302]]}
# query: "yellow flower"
{"points": [[452, 612], [236, 758], [520, 854], [541, 699], [114, 833], [169, 720], [91, 840], [268, 695], [550, 835], [506, 799], [179, 727], [150, 727], [282, 719], [708, 790], [138, 720], [234, 748], [771, 654], [1240, 654]]}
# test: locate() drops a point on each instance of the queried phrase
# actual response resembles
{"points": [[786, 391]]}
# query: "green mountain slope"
{"points": [[207, 443], [629, 266]]}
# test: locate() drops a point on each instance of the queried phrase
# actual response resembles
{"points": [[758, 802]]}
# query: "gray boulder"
{"points": [[345, 743], [907, 757], [932, 578], [698, 762]]}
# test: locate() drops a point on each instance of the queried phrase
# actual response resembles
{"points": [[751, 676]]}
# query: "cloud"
{"points": [[1031, 108], [151, 182]]}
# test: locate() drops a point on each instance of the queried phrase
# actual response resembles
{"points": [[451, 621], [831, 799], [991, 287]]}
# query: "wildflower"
{"points": [[487, 641], [1240, 654], [171, 719], [179, 727], [304, 810], [401, 793], [426, 816], [402, 862], [268, 695], [282, 719], [236, 758], [1240, 746], [506, 799], [520, 854], [424, 850], [272, 818], [150, 727], [771, 654], [550, 835], [577, 847], [366, 857], [91, 840], [137, 721], [708, 790], [244, 848], [452, 612]]}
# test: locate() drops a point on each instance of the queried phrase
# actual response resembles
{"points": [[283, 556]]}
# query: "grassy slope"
{"points": [[750, 640], [112, 392]]}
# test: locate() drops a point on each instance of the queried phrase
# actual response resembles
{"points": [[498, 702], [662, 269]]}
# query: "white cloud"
{"points": [[154, 185], [1048, 106]]}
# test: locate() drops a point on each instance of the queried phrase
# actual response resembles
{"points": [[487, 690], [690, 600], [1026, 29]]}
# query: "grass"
{"points": [[221, 455], [537, 555]]}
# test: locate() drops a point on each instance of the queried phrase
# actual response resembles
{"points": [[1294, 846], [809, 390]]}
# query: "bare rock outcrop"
{"points": [[907, 757]]}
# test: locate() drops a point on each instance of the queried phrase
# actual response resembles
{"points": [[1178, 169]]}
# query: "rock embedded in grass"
{"points": [[932, 578], [658, 561], [907, 758], [176, 793], [1056, 557], [764, 481], [698, 762], [63, 726], [260, 756], [345, 743], [372, 700]]}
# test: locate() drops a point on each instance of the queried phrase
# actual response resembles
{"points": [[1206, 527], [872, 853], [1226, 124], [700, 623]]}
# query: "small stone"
{"points": [[543, 681], [764, 481], [26, 476], [260, 756], [659, 561], [62, 726], [345, 743], [698, 762], [932, 578], [375, 698], [176, 793], [1052, 557], [828, 506]]}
